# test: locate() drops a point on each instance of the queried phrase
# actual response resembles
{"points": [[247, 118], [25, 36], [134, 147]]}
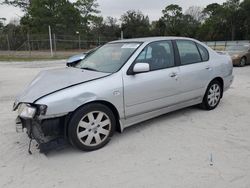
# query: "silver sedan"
{"points": [[122, 83]]}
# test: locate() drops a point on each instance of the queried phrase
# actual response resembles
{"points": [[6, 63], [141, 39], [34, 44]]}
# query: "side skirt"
{"points": [[124, 123]]}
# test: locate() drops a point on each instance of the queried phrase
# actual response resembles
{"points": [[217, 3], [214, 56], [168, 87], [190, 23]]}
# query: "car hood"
{"points": [[50, 81]]}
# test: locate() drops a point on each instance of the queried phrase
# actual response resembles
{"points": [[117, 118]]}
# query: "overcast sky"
{"points": [[116, 8]]}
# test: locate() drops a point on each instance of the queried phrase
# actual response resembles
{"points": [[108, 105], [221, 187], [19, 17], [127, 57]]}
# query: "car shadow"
{"points": [[129, 131]]}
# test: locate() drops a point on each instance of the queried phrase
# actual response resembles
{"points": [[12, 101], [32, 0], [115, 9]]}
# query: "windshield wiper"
{"points": [[87, 68]]}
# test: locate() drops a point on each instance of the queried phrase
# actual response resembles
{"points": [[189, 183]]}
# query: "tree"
{"points": [[22, 4], [174, 11], [172, 16], [224, 21], [106, 30], [190, 26], [111, 29], [196, 13], [232, 14], [96, 26], [88, 10], [245, 7], [61, 15], [227, 21], [174, 22], [15, 35], [110, 21], [212, 9], [87, 7], [135, 24], [215, 25], [159, 27], [1, 22]]}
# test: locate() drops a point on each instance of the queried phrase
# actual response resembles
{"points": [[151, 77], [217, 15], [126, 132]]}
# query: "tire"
{"points": [[243, 62], [212, 96], [91, 127]]}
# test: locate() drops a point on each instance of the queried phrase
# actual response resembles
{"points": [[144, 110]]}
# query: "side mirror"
{"points": [[72, 61], [141, 67]]}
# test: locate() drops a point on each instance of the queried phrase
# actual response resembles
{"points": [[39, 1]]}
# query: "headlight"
{"points": [[26, 111], [42, 109]]}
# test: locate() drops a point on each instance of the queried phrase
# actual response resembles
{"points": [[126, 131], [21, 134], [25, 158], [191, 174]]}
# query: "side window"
{"points": [[204, 53], [144, 55], [188, 52], [159, 55]]}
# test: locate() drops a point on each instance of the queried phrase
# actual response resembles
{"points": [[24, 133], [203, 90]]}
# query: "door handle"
{"points": [[173, 74], [208, 68]]}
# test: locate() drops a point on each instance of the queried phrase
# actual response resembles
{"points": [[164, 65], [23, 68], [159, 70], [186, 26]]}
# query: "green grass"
{"points": [[16, 58]]}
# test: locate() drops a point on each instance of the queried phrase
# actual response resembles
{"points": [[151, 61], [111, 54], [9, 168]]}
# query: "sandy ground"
{"points": [[173, 150]]}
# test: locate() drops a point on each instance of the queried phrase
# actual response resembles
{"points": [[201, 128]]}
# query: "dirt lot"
{"points": [[174, 150]]}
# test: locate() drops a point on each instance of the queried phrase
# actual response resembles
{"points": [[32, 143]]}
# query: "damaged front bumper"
{"points": [[48, 133]]}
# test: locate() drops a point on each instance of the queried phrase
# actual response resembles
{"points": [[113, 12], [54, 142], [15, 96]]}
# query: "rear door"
{"points": [[153, 90], [195, 69]]}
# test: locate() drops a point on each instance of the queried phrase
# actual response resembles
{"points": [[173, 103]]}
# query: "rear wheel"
{"points": [[91, 127], [213, 95], [243, 61]]}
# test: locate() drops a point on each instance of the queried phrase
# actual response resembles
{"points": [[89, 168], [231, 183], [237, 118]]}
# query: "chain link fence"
{"points": [[40, 45], [63, 46], [222, 45]]}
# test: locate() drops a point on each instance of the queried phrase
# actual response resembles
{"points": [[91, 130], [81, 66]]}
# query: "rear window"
{"points": [[204, 53], [188, 51]]}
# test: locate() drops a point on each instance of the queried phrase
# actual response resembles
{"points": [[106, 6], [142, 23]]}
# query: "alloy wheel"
{"points": [[243, 62], [93, 128], [214, 95]]}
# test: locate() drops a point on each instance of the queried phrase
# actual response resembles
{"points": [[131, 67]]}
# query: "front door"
{"points": [[146, 92]]}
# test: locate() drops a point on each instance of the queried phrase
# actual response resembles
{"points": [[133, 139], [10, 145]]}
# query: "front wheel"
{"points": [[212, 96], [91, 127]]}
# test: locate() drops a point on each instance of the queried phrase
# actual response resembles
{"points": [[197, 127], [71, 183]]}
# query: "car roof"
{"points": [[150, 39]]}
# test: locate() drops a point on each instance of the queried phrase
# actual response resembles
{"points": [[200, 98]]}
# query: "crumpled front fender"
{"points": [[68, 100]]}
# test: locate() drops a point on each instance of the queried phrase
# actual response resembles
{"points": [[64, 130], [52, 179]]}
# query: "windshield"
{"points": [[237, 48], [109, 58]]}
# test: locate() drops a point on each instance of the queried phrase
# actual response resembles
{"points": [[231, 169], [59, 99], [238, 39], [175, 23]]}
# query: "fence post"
{"points": [[54, 38], [79, 41], [121, 35], [50, 42], [28, 40], [8, 42]]}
